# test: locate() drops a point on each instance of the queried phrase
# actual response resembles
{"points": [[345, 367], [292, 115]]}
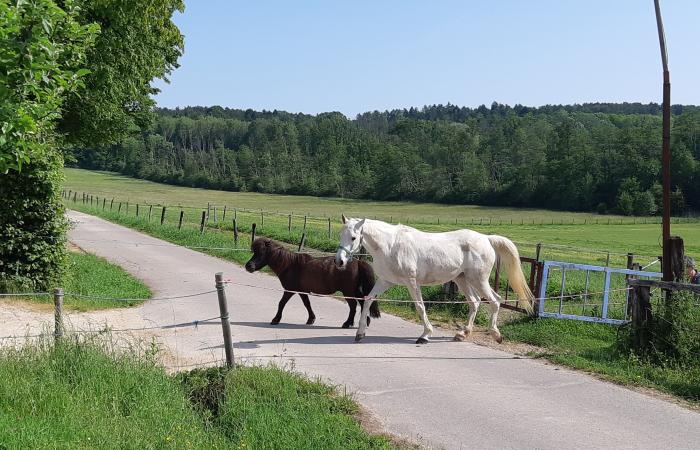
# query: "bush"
{"points": [[32, 225]]}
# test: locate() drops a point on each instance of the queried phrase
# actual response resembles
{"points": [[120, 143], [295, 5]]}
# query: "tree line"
{"points": [[592, 157]]}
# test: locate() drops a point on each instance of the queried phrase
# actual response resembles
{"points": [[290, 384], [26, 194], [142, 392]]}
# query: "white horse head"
{"points": [[350, 240]]}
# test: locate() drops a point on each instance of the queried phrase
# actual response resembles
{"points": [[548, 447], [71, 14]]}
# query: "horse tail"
{"points": [[508, 253], [366, 284]]}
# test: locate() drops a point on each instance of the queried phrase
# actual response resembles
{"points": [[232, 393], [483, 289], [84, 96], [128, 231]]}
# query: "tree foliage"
{"points": [[599, 157]]}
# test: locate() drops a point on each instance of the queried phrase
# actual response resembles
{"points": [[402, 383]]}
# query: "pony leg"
{"points": [[417, 296], [379, 287], [283, 301], [473, 301], [307, 304], [352, 303]]}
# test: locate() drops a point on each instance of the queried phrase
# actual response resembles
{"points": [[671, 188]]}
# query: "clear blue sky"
{"points": [[353, 56]]}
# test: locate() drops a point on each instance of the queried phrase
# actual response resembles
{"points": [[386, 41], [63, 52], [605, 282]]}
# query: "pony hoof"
{"points": [[422, 340], [311, 321], [459, 337], [347, 325], [499, 339], [359, 337], [275, 322]]}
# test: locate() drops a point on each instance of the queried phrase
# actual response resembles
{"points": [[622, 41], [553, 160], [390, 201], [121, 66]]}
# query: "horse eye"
{"points": [[353, 239]]}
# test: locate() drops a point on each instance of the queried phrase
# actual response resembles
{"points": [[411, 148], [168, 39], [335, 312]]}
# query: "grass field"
{"points": [[86, 395], [90, 275]]}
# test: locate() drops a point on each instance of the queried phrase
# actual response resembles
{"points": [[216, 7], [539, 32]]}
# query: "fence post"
{"points": [[329, 228], [208, 207], [119, 210], [201, 224], [179, 223], [538, 248], [640, 315], [58, 313], [111, 203], [127, 208], [607, 260], [162, 216], [301, 243], [215, 218], [150, 210], [223, 217], [676, 252], [104, 202], [225, 323], [252, 235], [137, 210], [304, 229], [289, 223], [235, 233], [262, 219]]}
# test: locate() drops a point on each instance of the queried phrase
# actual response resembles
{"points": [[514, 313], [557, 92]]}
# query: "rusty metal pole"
{"points": [[666, 148]]}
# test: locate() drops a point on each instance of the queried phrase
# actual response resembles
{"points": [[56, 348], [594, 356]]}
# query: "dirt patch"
{"points": [[74, 248], [373, 425]]}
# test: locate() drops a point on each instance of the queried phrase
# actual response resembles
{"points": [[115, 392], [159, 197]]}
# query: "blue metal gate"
{"points": [[603, 290]]}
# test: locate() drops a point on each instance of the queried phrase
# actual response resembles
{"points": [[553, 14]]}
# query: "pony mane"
{"points": [[278, 257]]}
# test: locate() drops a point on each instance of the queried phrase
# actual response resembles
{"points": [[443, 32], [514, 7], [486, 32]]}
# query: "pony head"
{"points": [[261, 250], [350, 240]]}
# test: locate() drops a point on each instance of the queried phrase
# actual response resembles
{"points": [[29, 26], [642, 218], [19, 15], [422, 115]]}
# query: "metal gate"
{"points": [[586, 292]]}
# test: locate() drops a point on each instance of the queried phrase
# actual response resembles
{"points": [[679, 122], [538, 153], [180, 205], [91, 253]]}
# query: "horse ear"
{"points": [[360, 224], [345, 219]]}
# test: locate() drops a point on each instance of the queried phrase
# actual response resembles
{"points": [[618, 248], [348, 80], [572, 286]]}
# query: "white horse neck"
{"points": [[378, 236]]}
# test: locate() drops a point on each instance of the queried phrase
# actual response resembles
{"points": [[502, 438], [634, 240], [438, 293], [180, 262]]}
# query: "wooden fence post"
{"points": [[235, 233], [162, 216], [329, 228], [111, 203], [252, 235], [208, 208], [150, 210], [127, 208], [538, 248], [119, 210], [223, 216], [215, 218], [303, 230], [137, 210], [289, 223], [201, 224], [640, 315], [676, 252], [179, 223], [302, 241], [225, 323], [262, 219], [58, 313]]}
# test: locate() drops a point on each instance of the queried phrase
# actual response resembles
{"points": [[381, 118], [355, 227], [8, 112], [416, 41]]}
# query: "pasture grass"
{"points": [[88, 395], [90, 275]]}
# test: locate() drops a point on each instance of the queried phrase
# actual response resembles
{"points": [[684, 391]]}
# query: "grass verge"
{"points": [[85, 395]]}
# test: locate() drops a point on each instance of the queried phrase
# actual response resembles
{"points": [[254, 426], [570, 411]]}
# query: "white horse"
{"points": [[406, 256]]}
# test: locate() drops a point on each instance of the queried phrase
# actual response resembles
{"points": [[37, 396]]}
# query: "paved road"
{"points": [[443, 395]]}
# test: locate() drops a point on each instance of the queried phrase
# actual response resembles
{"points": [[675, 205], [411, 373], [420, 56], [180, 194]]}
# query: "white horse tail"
{"points": [[510, 258]]}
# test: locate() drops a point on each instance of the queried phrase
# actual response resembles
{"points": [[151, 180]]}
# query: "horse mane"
{"points": [[278, 257]]}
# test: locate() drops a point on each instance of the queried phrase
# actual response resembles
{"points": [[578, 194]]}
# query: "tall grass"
{"points": [[87, 394]]}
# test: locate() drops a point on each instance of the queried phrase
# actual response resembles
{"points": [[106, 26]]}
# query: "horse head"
{"points": [[261, 249], [350, 240]]}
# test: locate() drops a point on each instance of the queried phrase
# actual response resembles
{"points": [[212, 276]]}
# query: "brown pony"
{"points": [[302, 273]]}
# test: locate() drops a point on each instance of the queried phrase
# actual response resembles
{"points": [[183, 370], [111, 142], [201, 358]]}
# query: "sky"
{"points": [[315, 56]]}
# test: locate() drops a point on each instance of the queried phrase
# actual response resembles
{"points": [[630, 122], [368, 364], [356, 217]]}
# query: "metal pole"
{"points": [[58, 313], [666, 145], [225, 323]]}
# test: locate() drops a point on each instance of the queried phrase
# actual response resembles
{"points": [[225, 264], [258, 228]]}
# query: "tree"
{"points": [[58, 73]]}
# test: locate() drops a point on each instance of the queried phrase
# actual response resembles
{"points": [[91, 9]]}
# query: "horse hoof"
{"points": [[275, 322], [422, 340], [359, 337], [499, 339], [347, 325], [311, 321], [459, 337]]}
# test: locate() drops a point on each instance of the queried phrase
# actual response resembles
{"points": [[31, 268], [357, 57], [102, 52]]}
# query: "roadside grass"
{"points": [[88, 395], [91, 276]]}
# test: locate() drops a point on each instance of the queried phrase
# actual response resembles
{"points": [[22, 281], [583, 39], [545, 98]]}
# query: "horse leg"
{"points": [[352, 303], [417, 295], [485, 291], [473, 301], [283, 301], [379, 287], [307, 304], [362, 305]]}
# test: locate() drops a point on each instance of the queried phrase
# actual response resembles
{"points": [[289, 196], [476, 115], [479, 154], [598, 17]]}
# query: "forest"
{"points": [[592, 157]]}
